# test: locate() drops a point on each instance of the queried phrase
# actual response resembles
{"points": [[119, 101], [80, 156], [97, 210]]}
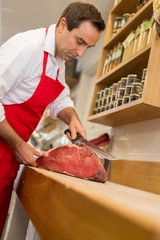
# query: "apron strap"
{"points": [[45, 58]]}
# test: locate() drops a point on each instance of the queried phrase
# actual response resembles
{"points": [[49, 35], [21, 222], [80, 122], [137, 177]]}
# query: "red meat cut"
{"points": [[74, 160]]}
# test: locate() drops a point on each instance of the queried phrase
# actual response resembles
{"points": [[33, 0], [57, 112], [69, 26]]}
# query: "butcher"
{"points": [[32, 76]]}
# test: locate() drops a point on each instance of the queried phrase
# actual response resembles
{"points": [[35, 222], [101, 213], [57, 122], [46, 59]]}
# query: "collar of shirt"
{"points": [[49, 44]]}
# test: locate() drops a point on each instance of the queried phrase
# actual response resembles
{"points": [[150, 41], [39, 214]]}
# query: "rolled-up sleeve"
{"points": [[63, 100]]}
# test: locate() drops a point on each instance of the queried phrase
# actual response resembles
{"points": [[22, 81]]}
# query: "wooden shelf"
{"points": [[136, 62], [148, 106], [145, 12], [56, 202]]}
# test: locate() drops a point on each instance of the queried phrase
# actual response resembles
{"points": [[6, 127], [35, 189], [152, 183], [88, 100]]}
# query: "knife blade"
{"points": [[98, 151]]}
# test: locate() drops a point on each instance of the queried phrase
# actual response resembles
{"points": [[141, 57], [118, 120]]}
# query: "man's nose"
{"points": [[81, 51]]}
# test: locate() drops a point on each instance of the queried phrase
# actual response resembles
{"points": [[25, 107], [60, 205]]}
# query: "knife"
{"points": [[98, 151]]}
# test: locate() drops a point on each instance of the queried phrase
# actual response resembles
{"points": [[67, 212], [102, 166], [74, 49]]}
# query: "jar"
{"points": [[136, 88], [152, 30], [96, 103], [125, 18], [123, 82], [102, 109], [143, 35], [144, 73], [98, 109], [108, 98], [119, 101], [117, 23], [142, 84], [100, 102], [115, 104], [101, 93], [140, 94], [111, 105], [133, 97], [104, 101], [121, 92], [107, 106], [106, 92], [110, 89], [125, 99], [113, 97], [136, 40], [127, 90], [115, 86], [98, 95], [131, 78], [119, 85], [94, 111]]}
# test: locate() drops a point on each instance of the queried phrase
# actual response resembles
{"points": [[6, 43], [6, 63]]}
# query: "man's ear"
{"points": [[62, 25]]}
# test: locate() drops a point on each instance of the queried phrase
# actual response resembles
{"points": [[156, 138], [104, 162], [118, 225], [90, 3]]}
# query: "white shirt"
{"points": [[21, 64]]}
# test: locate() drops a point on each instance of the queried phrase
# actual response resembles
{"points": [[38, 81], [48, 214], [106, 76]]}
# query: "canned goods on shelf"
{"points": [[103, 108], [142, 84], [94, 111], [115, 86], [121, 92], [127, 90], [136, 88], [144, 73], [108, 98], [106, 92], [110, 89], [111, 105], [119, 101], [125, 99], [123, 82], [107, 106], [100, 102], [102, 94], [113, 97], [140, 94], [98, 109], [133, 97], [96, 103], [98, 95], [131, 78], [115, 104], [119, 85], [104, 101]]}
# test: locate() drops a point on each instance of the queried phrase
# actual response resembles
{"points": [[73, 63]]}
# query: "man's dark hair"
{"points": [[77, 12]]}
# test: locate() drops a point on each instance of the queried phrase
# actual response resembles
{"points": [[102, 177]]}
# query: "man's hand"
{"points": [[69, 116], [24, 154], [23, 151]]}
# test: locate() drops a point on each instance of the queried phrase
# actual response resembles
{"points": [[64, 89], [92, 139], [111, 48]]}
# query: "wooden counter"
{"points": [[67, 208]]}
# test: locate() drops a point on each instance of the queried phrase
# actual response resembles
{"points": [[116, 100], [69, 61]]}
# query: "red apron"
{"points": [[24, 118]]}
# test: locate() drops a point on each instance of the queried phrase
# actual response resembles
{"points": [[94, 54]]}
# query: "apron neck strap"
{"points": [[45, 58]]}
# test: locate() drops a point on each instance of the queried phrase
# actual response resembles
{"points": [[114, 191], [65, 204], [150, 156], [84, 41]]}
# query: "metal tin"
{"points": [[133, 97]]}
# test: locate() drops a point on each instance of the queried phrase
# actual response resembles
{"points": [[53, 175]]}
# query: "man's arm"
{"points": [[23, 151], [70, 117]]}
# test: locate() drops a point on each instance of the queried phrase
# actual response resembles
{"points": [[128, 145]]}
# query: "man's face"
{"points": [[74, 43]]}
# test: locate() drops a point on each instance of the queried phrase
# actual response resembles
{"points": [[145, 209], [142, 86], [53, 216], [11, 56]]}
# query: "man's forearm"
{"points": [[67, 115], [9, 134]]}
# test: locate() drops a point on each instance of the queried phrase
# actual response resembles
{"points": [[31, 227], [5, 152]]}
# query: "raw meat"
{"points": [[74, 160]]}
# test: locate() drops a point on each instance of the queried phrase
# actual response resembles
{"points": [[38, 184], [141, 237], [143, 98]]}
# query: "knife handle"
{"points": [[79, 136]]}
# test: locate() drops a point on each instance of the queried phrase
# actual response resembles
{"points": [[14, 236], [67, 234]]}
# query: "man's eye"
{"points": [[79, 42]]}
